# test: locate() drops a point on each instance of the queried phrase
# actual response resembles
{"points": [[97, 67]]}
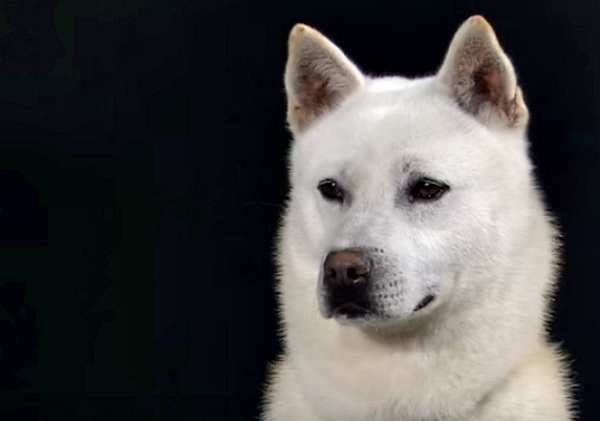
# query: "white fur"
{"points": [[488, 249]]}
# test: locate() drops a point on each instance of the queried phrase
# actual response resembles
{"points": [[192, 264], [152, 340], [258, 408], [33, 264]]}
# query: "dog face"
{"points": [[402, 186]]}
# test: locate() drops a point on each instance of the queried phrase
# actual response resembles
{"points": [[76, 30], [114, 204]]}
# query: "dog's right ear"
{"points": [[318, 76]]}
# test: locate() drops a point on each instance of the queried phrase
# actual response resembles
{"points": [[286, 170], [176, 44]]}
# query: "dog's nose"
{"points": [[345, 268]]}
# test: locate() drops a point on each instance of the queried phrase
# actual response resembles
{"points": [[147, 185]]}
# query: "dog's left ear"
{"points": [[481, 78]]}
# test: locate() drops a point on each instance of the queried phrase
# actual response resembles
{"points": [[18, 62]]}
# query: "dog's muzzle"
{"points": [[351, 289]]}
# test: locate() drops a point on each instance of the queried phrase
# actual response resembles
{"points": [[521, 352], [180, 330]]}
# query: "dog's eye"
{"points": [[426, 189], [331, 190]]}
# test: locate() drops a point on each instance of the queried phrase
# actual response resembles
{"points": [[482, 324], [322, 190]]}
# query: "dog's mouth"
{"points": [[424, 302], [351, 310]]}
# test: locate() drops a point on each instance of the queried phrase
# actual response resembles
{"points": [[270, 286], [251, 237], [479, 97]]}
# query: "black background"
{"points": [[142, 173]]}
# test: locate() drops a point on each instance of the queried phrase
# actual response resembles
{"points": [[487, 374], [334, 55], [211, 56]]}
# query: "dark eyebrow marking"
{"points": [[407, 163]]}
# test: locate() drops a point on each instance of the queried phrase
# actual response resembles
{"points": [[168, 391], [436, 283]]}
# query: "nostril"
{"points": [[345, 268]]}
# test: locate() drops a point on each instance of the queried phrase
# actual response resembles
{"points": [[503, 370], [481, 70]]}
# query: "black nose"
{"points": [[345, 268], [345, 278]]}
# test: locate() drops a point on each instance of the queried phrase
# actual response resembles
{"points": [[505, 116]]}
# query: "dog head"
{"points": [[401, 189]]}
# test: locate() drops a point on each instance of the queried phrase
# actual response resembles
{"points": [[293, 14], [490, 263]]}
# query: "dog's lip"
{"points": [[429, 298], [350, 310]]}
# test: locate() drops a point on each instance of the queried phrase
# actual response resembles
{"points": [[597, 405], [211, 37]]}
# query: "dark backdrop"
{"points": [[142, 173]]}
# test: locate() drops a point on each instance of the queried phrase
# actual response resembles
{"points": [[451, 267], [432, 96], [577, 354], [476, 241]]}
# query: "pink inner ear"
{"points": [[313, 97], [477, 62], [313, 93], [489, 83]]}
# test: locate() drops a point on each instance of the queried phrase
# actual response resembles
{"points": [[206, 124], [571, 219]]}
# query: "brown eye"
{"points": [[330, 190], [426, 189]]}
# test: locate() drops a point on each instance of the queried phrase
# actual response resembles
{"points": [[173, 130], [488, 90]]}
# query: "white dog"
{"points": [[416, 259]]}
